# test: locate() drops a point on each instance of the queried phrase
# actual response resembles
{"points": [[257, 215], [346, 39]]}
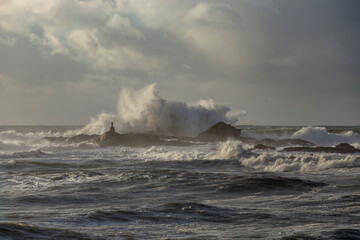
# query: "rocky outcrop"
{"points": [[112, 138], [263, 147], [284, 142], [340, 148], [83, 138], [136, 140], [222, 131], [75, 139], [219, 132]]}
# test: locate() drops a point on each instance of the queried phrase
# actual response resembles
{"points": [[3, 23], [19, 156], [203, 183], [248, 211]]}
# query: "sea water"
{"points": [[220, 190]]}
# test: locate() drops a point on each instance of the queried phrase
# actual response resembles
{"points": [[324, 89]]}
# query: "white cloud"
{"points": [[77, 29]]}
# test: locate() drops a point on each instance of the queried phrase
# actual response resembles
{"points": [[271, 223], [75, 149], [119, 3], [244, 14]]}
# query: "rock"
{"points": [[219, 132], [53, 139], [262, 147], [83, 138], [284, 142], [340, 148], [112, 138], [300, 142], [345, 146]]}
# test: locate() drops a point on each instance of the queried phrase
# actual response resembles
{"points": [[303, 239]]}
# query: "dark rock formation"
{"points": [[340, 148], [285, 142], [262, 147], [345, 146], [222, 131], [83, 138], [112, 138], [52, 139], [75, 139], [219, 132], [300, 142]]}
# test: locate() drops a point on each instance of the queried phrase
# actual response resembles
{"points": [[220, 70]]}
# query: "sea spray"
{"points": [[145, 110]]}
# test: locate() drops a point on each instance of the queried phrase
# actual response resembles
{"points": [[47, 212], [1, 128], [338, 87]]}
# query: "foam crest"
{"points": [[230, 149], [321, 137], [145, 110], [283, 162]]}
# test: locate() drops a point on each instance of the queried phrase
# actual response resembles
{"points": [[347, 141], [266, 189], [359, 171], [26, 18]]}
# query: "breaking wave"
{"points": [[230, 149], [145, 110], [320, 136], [13, 140], [26, 154], [284, 162], [317, 135], [258, 160]]}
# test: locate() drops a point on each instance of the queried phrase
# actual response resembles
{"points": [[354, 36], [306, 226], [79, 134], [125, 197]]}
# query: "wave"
{"points": [[320, 136], [174, 212], [264, 184], [26, 231], [145, 110], [230, 149], [317, 135], [12, 140], [27, 154], [303, 162]]}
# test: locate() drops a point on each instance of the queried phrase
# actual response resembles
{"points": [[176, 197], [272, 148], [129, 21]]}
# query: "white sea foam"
{"points": [[145, 110], [263, 161], [172, 154]]}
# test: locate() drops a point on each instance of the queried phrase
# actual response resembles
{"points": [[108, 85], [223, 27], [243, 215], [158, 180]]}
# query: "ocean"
{"points": [[217, 190]]}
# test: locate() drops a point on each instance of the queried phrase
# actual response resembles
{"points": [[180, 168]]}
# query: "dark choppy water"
{"points": [[213, 191]]}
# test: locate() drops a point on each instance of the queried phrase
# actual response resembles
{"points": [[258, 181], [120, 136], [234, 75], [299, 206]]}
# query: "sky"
{"points": [[283, 62]]}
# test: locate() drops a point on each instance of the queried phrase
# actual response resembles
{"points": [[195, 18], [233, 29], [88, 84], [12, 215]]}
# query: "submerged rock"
{"points": [[263, 147], [345, 146], [340, 148]]}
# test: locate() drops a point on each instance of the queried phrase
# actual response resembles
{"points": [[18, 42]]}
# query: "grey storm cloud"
{"points": [[284, 62]]}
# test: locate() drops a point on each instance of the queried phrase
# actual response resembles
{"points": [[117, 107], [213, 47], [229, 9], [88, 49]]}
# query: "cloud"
{"points": [[86, 31], [215, 29], [7, 40]]}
